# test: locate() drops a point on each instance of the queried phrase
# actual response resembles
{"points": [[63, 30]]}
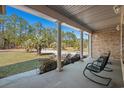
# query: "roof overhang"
{"points": [[47, 13]]}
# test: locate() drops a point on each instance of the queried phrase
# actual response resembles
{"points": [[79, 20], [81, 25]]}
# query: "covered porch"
{"points": [[70, 77], [104, 25]]}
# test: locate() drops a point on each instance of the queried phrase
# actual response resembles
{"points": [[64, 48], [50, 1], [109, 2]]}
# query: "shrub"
{"points": [[48, 65]]}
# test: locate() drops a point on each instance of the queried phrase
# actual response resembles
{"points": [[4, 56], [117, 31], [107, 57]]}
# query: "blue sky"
{"points": [[33, 19]]}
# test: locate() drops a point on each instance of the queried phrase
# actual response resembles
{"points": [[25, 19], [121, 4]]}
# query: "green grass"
{"points": [[13, 62], [17, 61], [12, 57], [18, 68]]}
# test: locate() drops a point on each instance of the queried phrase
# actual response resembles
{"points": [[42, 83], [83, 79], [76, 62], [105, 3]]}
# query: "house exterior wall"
{"points": [[104, 41]]}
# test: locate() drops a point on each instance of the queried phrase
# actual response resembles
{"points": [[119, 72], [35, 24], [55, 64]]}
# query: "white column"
{"points": [[59, 66], [81, 45], [90, 45], [122, 35]]}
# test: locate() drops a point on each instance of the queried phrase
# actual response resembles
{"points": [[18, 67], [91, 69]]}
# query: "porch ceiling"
{"points": [[94, 17], [50, 14]]}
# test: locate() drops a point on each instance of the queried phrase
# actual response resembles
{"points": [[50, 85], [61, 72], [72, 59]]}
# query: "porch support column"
{"points": [[59, 65], [122, 41], [90, 45], [81, 45], [2, 9]]}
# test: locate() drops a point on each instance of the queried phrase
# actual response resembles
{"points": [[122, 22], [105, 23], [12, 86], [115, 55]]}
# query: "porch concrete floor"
{"points": [[70, 77]]}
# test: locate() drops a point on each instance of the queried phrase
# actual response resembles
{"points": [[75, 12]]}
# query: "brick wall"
{"points": [[106, 40]]}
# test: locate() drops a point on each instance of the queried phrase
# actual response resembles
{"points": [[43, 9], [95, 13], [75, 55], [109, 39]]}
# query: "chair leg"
{"points": [[103, 78], [97, 76]]}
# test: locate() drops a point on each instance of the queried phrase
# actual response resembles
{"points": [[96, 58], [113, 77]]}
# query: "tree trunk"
{"points": [[4, 43], [39, 50], [27, 50], [4, 40]]}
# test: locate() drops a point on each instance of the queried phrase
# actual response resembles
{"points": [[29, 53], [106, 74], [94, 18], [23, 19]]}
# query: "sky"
{"points": [[46, 23]]}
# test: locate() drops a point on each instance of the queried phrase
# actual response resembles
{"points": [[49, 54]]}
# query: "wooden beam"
{"points": [[44, 10]]}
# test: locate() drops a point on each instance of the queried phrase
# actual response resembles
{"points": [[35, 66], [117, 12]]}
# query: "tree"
{"points": [[14, 30], [39, 43], [29, 39], [2, 29], [28, 45], [53, 45], [17, 31], [1, 40], [50, 36], [69, 39], [22, 27], [36, 35], [10, 30], [85, 43], [39, 37]]}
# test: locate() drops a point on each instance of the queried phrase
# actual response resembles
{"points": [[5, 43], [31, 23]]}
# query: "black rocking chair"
{"points": [[94, 68], [99, 62]]}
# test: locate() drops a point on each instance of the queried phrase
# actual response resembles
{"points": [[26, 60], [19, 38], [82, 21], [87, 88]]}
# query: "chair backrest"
{"points": [[105, 61]]}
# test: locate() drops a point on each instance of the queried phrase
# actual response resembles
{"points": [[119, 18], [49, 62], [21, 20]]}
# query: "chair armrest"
{"points": [[96, 65], [89, 64], [92, 64]]}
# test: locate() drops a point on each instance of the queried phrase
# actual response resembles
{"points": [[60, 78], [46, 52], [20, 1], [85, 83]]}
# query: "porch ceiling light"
{"points": [[116, 9]]}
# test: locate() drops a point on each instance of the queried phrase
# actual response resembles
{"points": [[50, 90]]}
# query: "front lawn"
{"points": [[13, 62]]}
